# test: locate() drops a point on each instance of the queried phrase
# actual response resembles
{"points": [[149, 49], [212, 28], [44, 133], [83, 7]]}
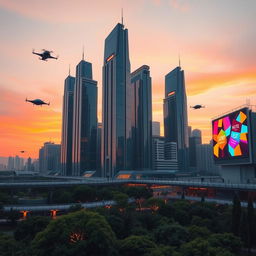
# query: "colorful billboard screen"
{"points": [[230, 136]]}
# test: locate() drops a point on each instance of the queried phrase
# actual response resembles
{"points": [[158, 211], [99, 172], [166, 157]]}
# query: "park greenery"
{"points": [[148, 226]]}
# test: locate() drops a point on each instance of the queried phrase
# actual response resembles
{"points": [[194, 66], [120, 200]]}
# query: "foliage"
{"points": [[73, 233], [136, 245], [121, 200], [84, 193], [154, 203], [8, 245], [172, 234], [27, 229], [226, 240], [196, 231]]}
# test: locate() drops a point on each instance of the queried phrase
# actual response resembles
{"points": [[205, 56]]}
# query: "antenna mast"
{"points": [[122, 17]]}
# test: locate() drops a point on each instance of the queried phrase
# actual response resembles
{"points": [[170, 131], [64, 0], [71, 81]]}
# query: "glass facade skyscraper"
{"points": [[67, 126], [116, 114], [84, 120], [175, 115], [141, 102]]}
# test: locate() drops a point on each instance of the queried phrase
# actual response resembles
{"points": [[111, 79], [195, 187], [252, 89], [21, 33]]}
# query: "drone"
{"points": [[45, 55], [197, 106], [38, 102], [22, 151]]}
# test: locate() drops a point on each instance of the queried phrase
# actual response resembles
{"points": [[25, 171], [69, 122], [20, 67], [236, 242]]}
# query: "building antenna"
{"points": [[69, 70], [179, 60], [83, 53], [122, 17]]}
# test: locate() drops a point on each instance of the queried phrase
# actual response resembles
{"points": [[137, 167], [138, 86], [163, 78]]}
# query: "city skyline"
{"points": [[220, 73]]}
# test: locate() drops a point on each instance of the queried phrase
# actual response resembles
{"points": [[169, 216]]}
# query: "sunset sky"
{"points": [[216, 40]]}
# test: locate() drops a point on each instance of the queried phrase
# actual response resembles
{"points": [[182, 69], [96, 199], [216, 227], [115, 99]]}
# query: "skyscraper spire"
{"points": [[83, 53], [69, 70], [122, 17], [179, 60]]}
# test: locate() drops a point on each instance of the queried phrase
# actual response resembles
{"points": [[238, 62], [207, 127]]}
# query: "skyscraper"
{"points": [[67, 126], [160, 162], [194, 140], [141, 111], [155, 128], [84, 120], [49, 158], [175, 114], [116, 114]]}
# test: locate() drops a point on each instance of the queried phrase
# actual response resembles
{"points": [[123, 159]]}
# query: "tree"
{"points": [[196, 231], [155, 203], [78, 232], [136, 245], [84, 194], [197, 247], [26, 230], [172, 234], [8, 246], [117, 224], [236, 215], [162, 250], [121, 200], [226, 240], [139, 194], [60, 197]]}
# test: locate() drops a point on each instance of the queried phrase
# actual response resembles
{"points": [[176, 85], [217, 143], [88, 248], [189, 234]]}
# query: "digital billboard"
{"points": [[230, 136]]}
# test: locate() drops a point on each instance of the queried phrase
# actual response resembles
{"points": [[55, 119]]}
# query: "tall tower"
{"points": [[175, 115], [116, 114], [84, 120], [142, 118], [67, 126]]}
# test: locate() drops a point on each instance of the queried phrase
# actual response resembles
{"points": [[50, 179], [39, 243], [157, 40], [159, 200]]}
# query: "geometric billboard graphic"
{"points": [[230, 136]]}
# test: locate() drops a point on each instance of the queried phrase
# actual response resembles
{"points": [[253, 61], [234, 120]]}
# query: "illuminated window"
{"points": [[124, 176], [171, 93], [110, 57]]}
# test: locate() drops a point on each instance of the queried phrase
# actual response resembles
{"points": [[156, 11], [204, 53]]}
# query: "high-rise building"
{"points": [[29, 164], [49, 158], [205, 162], [18, 163], [194, 140], [116, 107], [155, 128], [84, 120], [67, 126], [175, 115], [159, 154], [141, 111], [10, 164], [99, 132]]}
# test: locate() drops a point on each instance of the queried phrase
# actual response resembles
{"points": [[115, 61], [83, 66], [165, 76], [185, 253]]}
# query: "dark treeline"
{"points": [[149, 226]]}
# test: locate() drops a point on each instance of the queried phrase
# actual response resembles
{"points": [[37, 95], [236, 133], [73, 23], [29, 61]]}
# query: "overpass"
{"points": [[103, 181]]}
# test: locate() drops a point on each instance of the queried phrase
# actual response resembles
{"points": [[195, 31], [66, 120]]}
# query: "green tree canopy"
{"points": [[72, 234], [27, 229], [136, 245], [172, 234]]}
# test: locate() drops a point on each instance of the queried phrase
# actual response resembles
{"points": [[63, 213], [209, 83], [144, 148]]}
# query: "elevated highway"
{"points": [[104, 182]]}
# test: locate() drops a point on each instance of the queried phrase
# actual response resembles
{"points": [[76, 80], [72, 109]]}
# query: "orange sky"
{"points": [[215, 39]]}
